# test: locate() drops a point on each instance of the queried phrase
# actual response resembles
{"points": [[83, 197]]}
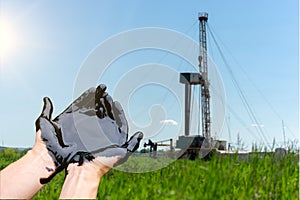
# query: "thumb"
{"points": [[47, 109], [134, 142], [131, 146], [46, 112]]}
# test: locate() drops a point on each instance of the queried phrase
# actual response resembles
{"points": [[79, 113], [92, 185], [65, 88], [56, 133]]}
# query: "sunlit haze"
{"points": [[43, 45], [8, 39]]}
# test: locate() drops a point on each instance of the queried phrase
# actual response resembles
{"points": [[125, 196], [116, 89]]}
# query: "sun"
{"points": [[8, 39]]}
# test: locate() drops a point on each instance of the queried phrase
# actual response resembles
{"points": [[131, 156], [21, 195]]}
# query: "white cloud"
{"points": [[256, 125], [169, 122]]}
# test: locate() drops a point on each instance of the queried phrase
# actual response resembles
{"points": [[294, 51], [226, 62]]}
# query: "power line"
{"points": [[252, 82], [247, 106]]}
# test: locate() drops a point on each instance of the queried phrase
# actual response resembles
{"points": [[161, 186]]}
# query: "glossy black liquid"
{"points": [[93, 125]]}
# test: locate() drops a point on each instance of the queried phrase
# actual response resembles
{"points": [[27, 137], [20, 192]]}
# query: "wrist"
{"points": [[81, 181], [104, 164], [95, 168], [40, 153], [92, 169]]}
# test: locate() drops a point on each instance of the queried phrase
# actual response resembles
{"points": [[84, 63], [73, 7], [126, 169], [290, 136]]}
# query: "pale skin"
{"points": [[83, 181], [21, 179]]}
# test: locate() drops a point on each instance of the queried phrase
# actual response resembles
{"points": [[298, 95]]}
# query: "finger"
{"points": [[119, 116], [47, 109], [99, 95], [100, 91], [108, 101], [131, 146], [100, 109], [134, 142], [102, 87], [49, 135], [48, 131], [100, 113], [103, 107], [84, 100]]}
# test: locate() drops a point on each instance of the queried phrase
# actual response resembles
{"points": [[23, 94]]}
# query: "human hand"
{"points": [[87, 175], [98, 126], [50, 135], [92, 126]]}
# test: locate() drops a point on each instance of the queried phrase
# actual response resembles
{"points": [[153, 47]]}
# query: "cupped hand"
{"points": [[93, 126]]}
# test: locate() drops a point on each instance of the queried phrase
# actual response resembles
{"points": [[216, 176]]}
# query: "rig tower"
{"points": [[203, 69], [193, 142]]}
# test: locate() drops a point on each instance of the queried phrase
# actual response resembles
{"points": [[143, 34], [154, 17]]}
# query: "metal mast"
{"points": [[203, 69], [189, 142]]}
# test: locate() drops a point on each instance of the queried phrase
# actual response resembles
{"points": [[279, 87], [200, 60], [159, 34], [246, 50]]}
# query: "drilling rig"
{"points": [[192, 143], [203, 69]]}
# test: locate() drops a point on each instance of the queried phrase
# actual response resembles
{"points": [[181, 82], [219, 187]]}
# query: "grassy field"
{"points": [[221, 178]]}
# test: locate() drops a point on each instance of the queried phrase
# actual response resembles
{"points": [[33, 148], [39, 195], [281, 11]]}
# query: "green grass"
{"points": [[220, 178]]}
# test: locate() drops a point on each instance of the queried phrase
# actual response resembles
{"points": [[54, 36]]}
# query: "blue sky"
{"points": [[48, 41]]}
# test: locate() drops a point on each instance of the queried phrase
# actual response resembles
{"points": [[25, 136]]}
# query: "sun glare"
{"points": [[8, 39]]}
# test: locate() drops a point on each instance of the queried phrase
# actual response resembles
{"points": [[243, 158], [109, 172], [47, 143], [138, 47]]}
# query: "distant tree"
{"points": [[293, 145], [10, 153], [273, 144], [240, 144], [145, 150], [254, 147]]}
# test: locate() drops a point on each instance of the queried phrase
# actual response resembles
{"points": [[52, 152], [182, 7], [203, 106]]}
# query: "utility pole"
{"points": [[283, 129], [229, 131]]}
